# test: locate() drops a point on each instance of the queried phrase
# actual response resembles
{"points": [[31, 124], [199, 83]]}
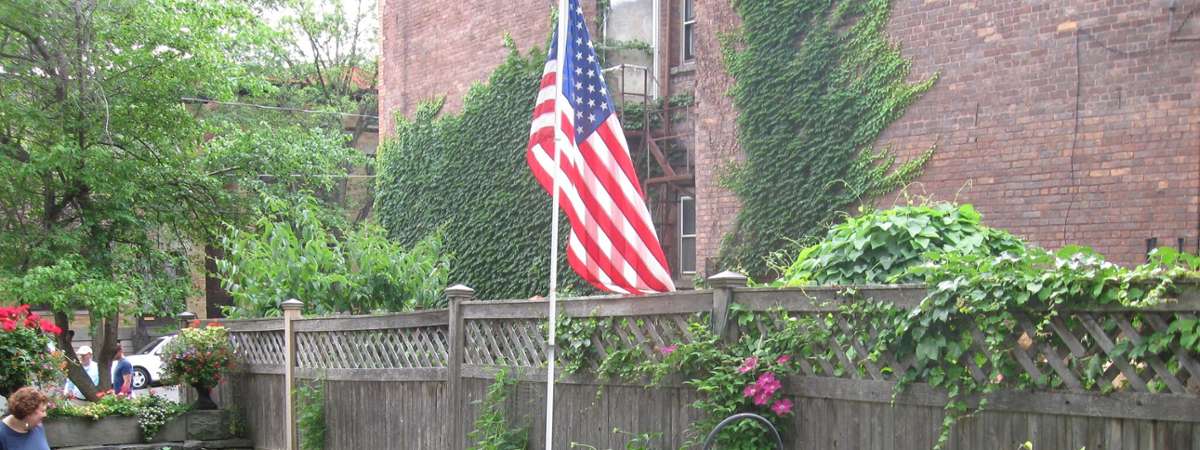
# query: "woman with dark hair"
{"points": [[22, 429]]}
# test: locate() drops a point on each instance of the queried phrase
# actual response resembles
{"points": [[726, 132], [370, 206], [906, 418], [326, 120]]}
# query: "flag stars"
{"points": [[578, 55], [604, 106], [591, 117], [591, 58], [591, 88], [592, 103], [591, 73], [578, 85]]}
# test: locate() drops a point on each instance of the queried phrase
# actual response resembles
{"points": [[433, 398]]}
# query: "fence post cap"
{"points": [[292, 305], [186, 315], [727, 279], [459, 290]]}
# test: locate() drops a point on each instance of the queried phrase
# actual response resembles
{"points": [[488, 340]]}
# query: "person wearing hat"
{"points": [[89, 366]]}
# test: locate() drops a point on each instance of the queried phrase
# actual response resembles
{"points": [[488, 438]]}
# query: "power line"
{"points": [[275, 108]]}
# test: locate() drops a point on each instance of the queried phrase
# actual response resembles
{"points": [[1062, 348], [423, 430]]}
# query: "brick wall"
{"points": [[1126, 167], [433, 48]]}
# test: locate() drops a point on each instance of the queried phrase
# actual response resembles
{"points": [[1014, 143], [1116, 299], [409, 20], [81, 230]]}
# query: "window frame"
{"points": [[683, 236], [687, 24]]}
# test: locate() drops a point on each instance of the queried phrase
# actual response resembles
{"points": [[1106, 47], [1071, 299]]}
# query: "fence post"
{"points": [[291, 311], [454, 394], [722, 285]]}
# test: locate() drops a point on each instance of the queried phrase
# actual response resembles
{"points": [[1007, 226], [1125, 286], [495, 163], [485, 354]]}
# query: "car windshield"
{"points": [[149, 347]]}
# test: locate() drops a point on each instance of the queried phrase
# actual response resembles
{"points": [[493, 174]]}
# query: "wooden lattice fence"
{"points": [[447, 354]]}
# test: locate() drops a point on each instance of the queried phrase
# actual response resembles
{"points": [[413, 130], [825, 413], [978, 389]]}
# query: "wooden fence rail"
{"points": [[443, 359]]}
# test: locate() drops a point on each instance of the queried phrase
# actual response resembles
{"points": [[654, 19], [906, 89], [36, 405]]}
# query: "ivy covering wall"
{"points": [[466, 174], [815, 83]]}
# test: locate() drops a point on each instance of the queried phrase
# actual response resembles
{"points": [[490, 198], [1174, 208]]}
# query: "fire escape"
{"points": [[661, 137]]}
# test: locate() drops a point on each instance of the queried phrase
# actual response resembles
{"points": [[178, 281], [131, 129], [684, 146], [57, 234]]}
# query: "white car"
{"points": [[147, 365]]}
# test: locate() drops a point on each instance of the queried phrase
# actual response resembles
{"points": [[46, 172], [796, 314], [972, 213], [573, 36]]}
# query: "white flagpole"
{"points": [[560, 142]]}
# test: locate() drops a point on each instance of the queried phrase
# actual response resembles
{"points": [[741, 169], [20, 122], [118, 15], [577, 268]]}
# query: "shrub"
{"points": [[293, 254], [881, 246]]}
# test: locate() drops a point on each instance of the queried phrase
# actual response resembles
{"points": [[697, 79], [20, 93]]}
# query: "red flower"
{"points": [[195, 323], [214, 324], [9, 325]]}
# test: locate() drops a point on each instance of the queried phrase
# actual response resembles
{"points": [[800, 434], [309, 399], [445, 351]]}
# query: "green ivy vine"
{"points": [[466, 175], [815, 83]]}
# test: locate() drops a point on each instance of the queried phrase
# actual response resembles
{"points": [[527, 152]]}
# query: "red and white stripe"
{"points": [[613, 244]]}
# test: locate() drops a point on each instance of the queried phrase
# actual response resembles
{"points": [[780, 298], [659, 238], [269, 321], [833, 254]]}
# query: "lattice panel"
{"points": [[521, 342], [649, 334], [399, 348], [1078, 351], [507, 342], [259, 347]]}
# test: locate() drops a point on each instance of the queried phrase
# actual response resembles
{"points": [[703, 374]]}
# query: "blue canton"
{"points": [[583, 83]]}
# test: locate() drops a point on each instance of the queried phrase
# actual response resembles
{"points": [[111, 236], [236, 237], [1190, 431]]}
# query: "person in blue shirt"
{"points": [[22, 428], [122, 378]]}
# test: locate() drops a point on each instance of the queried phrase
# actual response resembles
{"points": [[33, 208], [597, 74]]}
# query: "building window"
{"points": [[687, 235], [689, 30]]}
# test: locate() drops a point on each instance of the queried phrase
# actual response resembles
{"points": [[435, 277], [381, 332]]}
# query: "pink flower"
{"points": [[750, 390], [783, 359], [767, 383], [748, 365], [668, 349], [761, 398], [782, 407]]}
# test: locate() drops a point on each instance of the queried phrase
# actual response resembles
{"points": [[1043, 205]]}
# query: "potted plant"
{"points": [[24, 348], [199, 357]]}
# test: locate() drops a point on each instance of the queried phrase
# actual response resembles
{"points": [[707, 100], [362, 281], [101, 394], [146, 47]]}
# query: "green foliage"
{"points": [[198, 356], [153, 412], [881, 246], [294, 254], [492, 429], [815, 85], [466, 175], [105, 176], [310, 415]]}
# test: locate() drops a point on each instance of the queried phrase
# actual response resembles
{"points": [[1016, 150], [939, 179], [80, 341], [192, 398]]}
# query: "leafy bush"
{"points": [[24, 355], [198, 356], [881, 246], [466, 175], [492, 430], [153, 412], [293, 254]]}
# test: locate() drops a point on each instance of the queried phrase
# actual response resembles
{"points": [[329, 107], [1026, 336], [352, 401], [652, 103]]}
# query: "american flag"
{"points": [[613, 244]]}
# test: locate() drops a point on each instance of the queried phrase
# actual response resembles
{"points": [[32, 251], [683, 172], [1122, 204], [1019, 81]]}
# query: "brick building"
{"points": [[1065, 122]]}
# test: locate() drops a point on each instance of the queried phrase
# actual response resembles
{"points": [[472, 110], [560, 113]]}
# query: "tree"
{"points": [[105, 175]]}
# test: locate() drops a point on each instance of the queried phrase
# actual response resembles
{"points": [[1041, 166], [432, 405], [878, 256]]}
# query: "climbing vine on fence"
{"points": [[466, 173], [991, 300], [815, 85]]}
